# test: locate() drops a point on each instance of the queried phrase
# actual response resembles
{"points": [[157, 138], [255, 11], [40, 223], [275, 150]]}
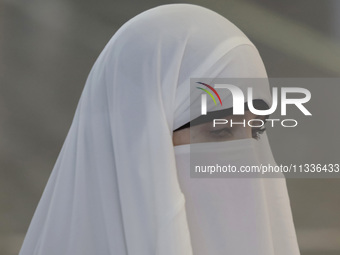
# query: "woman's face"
{"points": [[223, 132]]}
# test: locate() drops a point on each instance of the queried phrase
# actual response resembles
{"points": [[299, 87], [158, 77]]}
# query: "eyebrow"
{"points": [[257, 103]]}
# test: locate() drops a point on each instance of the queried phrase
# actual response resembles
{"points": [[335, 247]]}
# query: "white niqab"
{"points": [[114, 188], [235, 215]]}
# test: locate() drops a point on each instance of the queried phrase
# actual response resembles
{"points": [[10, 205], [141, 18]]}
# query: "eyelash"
{"points": [[256, 132], [219, 131]]}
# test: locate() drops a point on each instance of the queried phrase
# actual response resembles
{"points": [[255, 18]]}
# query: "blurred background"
{"points": [[47, 48]]}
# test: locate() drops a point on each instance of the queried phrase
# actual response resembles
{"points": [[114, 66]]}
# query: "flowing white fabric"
{"points": [[235, 215], [114, 188]]}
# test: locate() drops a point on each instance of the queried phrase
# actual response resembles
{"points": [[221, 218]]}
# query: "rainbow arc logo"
{"points": [[209, 93]]}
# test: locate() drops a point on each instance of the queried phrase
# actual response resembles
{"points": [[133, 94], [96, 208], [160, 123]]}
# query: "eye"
{"points": [[257, 132], [223, 132]]}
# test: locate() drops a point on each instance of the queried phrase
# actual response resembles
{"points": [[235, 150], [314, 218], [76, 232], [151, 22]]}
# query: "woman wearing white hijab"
{"points": [[114, 189]]}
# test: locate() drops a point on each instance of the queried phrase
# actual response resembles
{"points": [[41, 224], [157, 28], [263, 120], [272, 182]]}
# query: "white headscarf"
{"points": [[114, 187]]}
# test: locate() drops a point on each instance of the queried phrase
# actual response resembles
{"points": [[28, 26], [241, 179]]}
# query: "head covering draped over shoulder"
{"points": [[114, 189]]}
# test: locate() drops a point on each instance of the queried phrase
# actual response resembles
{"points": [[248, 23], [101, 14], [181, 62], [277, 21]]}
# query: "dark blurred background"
{"points": [[47, 48]]}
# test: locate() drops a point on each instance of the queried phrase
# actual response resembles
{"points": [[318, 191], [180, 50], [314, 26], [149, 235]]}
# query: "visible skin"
{"points": [[207, 133]]}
